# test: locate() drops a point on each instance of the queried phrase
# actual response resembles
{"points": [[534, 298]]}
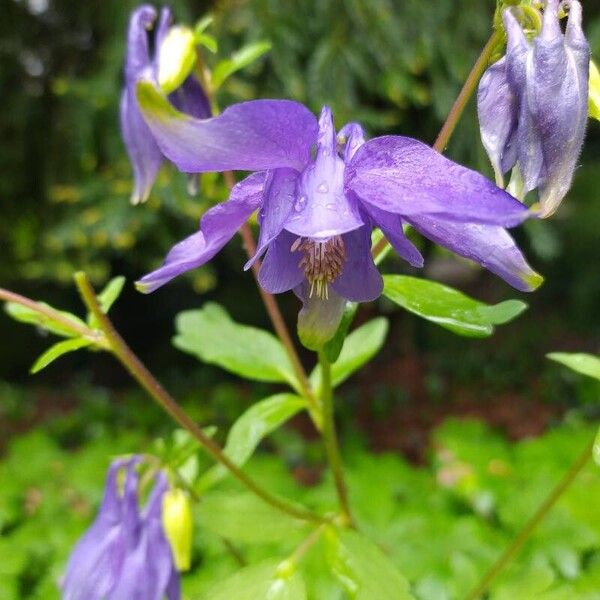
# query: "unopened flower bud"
{"points": [[176, 58], [178, 525], [533, 104], [594, 102]]}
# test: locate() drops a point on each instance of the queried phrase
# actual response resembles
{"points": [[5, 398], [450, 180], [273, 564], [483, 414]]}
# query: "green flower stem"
{"points": [[291, 563], [141, 374], [458, 108], [278, 321], [52, 314], [527, 529], [331, 442]]}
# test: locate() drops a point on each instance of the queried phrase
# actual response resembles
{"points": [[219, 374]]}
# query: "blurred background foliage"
{"points": [[64, 188]]}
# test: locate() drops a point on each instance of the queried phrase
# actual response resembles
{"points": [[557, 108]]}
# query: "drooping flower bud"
{"points": [[594, 103], [124, 554], [178, 524], [533, 104]]}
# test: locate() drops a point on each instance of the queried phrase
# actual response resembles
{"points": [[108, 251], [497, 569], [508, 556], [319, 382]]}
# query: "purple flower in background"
{"points": [[316, 210], [146, 33], [124, 555], [533, 105]]}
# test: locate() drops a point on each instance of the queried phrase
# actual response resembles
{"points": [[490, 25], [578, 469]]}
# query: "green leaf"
{"points": [[448, 307], [24, 314], [107, 297], [240, 59], [362, 568], [204, 23], [586, 364], [208, 41], [263, 581], [245, 518], [211, 335], [247, 432], [596, 450], [57, 350], [360, 347]]}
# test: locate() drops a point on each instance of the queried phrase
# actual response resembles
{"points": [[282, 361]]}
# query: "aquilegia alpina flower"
{"points": [[533, 104], [316, 211], [124, 555], [146, 35]]}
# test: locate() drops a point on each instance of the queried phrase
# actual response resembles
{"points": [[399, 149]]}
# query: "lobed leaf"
{"points": [[210, 334], [258, 582], [362, 568], [448, 307], [107, 297]]}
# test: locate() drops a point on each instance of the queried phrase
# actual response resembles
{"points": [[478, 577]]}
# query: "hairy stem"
{"points": [[527, 529], [141, 374], [457, 109], [330, 439], [277, 318]]}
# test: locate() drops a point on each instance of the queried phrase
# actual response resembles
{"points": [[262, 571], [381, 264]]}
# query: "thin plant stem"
{"points": [[331, 442], [277, 318], [306, 544], [457, 109], [141, 374], [533, 522], [52, 314]]}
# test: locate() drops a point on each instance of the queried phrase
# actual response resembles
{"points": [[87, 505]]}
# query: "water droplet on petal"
{"points": [[300, 204], [323, 187], [330, 206]]}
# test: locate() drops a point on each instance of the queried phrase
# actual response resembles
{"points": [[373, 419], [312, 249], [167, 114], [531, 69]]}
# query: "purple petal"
{"points": [[165, 21], [319, 318], [527, 140], [322, 209], [391, 225], [144, 154], [359, 280], [153, 508], [190, 99], [557, 90], [252, 136], [492, 247], [217, 227], [138, 53], [279, 271], [404, 176], [497, 110], [354, 137], [278, 205]]}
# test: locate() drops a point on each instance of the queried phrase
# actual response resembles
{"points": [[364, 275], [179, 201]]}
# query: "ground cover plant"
{"points": [[321, 207]]}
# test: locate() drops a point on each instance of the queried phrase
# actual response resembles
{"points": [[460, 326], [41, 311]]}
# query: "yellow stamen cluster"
{"points": [[322, 262]]}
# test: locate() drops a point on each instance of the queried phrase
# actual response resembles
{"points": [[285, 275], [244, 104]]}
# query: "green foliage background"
{"points": [[396, 66]]}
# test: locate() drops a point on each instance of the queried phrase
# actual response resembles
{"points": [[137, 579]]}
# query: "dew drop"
{"points": [[323, 187], [300, 204]]}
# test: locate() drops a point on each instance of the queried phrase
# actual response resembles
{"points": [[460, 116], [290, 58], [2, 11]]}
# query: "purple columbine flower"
{"points": [[124, 555], [319, 196], [146, 33], [533, 104]]}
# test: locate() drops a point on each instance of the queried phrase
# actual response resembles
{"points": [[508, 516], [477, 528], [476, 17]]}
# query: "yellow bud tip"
{"points": [[533, 280], [178, 524], [142, 287]]}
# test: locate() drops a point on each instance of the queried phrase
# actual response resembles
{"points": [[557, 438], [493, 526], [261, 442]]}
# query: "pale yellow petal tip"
{"points": [[142, 287], [533, 280], [594, 87], [153, 103]]}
